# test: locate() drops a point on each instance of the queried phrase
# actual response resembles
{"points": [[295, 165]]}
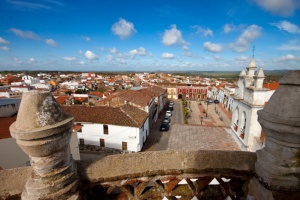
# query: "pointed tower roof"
{"points": [[243, 73], [260, 73], [251, 64]]}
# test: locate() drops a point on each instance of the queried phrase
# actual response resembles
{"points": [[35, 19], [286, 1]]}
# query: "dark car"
{"points": [[170, 108], [167, 119], [164, 126]]}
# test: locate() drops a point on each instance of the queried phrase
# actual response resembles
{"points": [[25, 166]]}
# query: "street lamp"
{"points": [[207, 103]]}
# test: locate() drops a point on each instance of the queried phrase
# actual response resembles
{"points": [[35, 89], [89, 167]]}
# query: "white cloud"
{"points": [[228, 28], [113, 50], [185, 47], [279, 7], [217, 58], [122, 61], [292, 45], [123, 29], [173, 36], [86, 38], [4, 48], [91, 56], [3, 41], [190, 54], [25, 34], [241, 58], [109, 57], [140, 51], [212, 47], [17, 60], [249, 35], [32, 60], [32, 6], [51, 42], [81, 62], [80, 51], [287, 26], [69, 58], [288, 57], [168, 55], [204, 31]]}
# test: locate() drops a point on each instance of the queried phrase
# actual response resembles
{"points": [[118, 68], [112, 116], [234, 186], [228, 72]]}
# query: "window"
{"points": [[102, 142], [81, 141], [124, 146], [105, 129]]}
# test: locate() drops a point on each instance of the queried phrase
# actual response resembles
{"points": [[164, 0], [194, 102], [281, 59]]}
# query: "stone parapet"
{"points": [[140, 170], [278, 163], [43, 131]]}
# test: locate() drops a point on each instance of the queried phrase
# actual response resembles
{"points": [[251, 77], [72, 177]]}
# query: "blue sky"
{"points": [[148, 35]]}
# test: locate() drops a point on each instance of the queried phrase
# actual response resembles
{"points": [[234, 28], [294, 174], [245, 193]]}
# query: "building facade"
{"points": [[250, 96]]}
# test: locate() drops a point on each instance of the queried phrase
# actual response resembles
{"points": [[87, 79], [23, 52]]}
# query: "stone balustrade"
{"points": [[43, 131]]}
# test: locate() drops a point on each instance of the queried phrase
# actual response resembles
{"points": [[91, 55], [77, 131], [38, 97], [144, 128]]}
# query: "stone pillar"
{"points": [[43, 131], [278, 163]]}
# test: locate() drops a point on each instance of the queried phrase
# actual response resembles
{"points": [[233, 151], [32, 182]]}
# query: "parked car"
{"points": [[209, 101], [169, 113], [167, 119], [164, 126], [171, 103], [170, 108]]}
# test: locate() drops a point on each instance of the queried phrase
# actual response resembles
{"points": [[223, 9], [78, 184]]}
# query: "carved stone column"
{"points": [[43, 131], [278, 163]]}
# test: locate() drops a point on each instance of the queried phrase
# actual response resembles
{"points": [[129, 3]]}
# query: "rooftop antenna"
{"points": [[253, 52]]}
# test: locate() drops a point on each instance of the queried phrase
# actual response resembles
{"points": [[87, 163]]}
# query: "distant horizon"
{"points": [[150, 71], [134, 35]]}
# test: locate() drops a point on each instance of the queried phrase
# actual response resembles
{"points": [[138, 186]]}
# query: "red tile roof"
{"points": [[99, 94], [136, 97], [271, 86], [5, 123], [126, 115], [81, 99], [62, 99]]}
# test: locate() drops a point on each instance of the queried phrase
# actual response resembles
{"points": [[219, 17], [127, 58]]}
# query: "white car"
{"points": [[169, 113]]}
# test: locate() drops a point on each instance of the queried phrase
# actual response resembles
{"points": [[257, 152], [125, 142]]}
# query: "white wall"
{"points": [[74, 147], [92, 133]]}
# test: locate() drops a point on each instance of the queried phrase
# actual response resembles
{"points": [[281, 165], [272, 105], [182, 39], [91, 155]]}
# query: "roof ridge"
{"points": [[121, 108]]}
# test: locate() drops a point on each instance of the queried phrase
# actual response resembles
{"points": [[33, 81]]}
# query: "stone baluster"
{"points": [[43, 131], [278, 163]]}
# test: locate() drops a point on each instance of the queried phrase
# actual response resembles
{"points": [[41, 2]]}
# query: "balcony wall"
{"points": [[153, 175]]}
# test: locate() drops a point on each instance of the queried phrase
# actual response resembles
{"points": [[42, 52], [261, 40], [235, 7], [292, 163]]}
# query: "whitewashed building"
{"points": [[125, 127], [250, 96]]}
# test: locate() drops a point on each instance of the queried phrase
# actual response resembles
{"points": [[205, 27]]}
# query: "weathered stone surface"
{"points": [[39, 112], [278, 163], [12, 181], [44, 131], [117, 167]]}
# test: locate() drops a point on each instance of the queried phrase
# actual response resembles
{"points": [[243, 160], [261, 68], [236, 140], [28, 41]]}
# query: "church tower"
{"points": [[250, 96], [259, 78]]}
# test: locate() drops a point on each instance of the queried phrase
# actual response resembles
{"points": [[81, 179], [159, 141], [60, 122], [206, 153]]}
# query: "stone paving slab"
{"points": [[197, 137]]}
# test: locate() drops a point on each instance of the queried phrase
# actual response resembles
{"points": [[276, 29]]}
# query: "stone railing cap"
{"points": [[38, 113], [283, 106]]}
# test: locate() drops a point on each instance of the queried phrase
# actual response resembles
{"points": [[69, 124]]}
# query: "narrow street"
{"points": [[217, 116], [158, 140]]}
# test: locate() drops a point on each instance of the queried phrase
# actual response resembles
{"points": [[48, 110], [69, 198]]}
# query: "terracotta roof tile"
{"points": [[136, 97], [271, 86], [126, 115], [62, 99], [5, 123]]}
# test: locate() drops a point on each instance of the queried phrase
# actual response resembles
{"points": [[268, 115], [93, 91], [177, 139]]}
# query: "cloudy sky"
{"points": [[146, 35]]}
